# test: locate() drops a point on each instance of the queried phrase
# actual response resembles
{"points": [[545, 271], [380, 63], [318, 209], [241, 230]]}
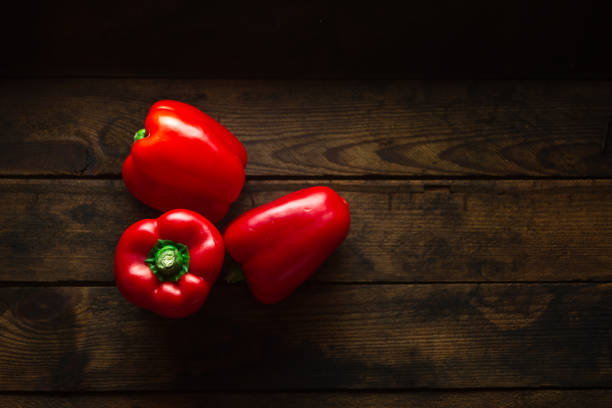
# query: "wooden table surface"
{"points": [[472, 140], [477, 272]]}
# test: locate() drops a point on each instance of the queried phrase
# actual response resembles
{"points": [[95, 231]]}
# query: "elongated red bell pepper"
{"points": [[282, 243], [185, 159], [168, 264]]}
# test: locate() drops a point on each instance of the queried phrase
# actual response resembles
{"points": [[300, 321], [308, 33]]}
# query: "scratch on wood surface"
{"points": [[428, 188]]}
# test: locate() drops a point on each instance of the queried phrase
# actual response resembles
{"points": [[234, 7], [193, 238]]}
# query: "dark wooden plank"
{"points": [[322, 337], [438, 399], [313, 128], [404, 231], [316, 38]]}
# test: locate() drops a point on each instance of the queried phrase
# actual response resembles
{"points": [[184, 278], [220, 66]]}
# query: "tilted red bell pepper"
{"points": [[283, 242], [185, 159], [168, 264]]}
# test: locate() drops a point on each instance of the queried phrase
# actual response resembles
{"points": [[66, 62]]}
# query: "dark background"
{"points": [[317, 39], [472, 140]]}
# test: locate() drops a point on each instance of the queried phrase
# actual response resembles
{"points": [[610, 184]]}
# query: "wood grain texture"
{"points": [[439, 399], [322, 337], [401, 231], [316, 128]]}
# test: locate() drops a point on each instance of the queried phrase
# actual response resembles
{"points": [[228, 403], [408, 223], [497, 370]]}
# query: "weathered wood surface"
{"points": [[322, 337], [312, 128], [438, 399], [447, 292], [402, 231]]}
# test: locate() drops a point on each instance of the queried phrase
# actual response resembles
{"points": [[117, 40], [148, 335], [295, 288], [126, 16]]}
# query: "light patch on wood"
{"points": [[511, 312]]}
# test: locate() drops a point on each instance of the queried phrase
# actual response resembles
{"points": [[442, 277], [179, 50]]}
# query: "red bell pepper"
{"points": [[168, 264], [185, 159], [282, 243]]}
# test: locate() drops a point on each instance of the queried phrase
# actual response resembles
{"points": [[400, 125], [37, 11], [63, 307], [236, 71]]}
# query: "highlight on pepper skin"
{"points": [[280, 244], [168, 264]]}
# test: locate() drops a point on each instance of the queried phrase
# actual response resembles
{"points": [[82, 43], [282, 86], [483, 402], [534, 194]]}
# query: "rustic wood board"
{"points": [[323, 337], [402, 231], [477, 271], [84, 127]]}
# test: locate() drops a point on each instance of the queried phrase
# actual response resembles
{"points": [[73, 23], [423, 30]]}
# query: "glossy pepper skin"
{"points": [[168, 264], [185, 159], [282, 243]]}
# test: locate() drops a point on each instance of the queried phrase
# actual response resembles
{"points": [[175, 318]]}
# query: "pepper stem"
{"points": [[168, 260], [235, 274], [141, 134]]}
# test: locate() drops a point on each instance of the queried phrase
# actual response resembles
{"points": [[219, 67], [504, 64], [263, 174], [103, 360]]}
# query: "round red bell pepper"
{"points": [[185, 159], [168, 264], [282, 243]]}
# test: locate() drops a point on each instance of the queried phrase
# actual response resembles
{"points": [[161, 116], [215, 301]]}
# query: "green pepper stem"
{"points": [[141, 134], [235, 274], [168, 260]]}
